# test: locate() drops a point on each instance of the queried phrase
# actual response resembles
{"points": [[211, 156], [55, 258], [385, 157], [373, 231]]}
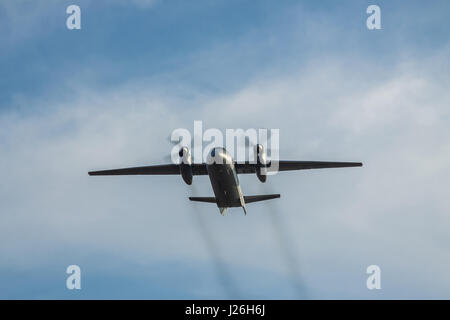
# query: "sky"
{"points": [[109, 96]]}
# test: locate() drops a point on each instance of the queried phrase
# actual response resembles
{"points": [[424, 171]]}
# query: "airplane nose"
{"points": [[218, 156]]}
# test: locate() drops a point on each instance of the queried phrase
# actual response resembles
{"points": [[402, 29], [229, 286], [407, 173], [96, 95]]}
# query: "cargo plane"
{"points": [[223, 173]]}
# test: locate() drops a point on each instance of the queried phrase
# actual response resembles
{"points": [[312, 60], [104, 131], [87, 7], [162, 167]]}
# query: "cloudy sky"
{"points": [[110, 94]]}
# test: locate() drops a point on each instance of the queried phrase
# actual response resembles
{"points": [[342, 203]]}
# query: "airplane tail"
{"points": [[203, 199], [247, 199], [263, 197]]}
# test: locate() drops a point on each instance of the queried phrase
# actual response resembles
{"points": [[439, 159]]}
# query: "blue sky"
{"points": [[108, 95], [167, 38]]}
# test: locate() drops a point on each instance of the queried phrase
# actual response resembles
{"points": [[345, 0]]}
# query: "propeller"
{"points": [[258, 147], [177, 155], [242, 146]]}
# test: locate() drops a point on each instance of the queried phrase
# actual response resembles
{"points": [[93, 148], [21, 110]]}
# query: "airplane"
{"points": [[223, 173]]}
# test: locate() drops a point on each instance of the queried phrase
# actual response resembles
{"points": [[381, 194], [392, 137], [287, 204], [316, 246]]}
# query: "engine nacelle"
{"points": [[261, 162], [186, 165]]}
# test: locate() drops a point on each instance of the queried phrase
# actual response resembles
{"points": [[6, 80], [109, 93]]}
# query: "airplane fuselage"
{"points": [[224, 179], [223, 174]]}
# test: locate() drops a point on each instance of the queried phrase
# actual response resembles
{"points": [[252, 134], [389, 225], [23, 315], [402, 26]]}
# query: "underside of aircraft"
{"points": [[222, 171]]}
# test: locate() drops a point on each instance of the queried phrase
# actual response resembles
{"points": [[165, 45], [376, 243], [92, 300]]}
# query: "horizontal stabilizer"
{"points": [[203, 199], [250, 199]]}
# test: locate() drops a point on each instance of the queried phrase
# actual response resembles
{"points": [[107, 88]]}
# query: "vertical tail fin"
{"points": [[242, 200]]}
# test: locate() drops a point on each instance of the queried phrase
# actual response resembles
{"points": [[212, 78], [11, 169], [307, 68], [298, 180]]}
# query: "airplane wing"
{"points": [[200, 168], [197, 169], [294, 165]]}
